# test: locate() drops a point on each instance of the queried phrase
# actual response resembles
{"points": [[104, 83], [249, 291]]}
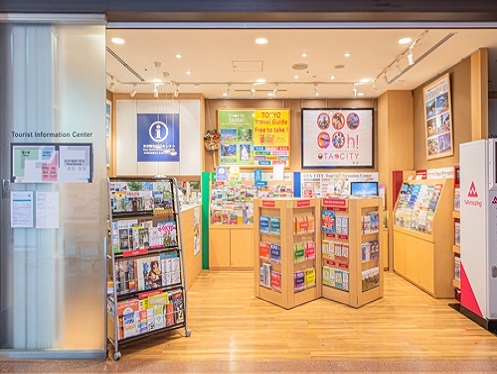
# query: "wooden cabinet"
{"points": [[231, 247], [423, 252]]}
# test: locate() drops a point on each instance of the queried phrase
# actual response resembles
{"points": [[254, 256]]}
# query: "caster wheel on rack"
{"points": [[188, 333], [117, 356]]}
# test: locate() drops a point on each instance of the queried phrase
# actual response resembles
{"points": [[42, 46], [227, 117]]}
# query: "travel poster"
{"points": [[438, 119], [334, 138], [254, 137]]}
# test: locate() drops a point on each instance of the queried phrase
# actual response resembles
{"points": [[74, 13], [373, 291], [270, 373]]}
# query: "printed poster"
{"points": [[438, 120], [158, 137], [333, 138], [254, 137]]}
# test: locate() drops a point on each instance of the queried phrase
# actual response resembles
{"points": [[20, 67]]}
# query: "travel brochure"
{"points": [[416, 206]]}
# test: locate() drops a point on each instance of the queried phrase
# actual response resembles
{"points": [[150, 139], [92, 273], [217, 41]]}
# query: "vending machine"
{"points": [[478, 205]]}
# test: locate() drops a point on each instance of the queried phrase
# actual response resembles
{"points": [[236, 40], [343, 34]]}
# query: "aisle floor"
{"points": [[232, 331]]}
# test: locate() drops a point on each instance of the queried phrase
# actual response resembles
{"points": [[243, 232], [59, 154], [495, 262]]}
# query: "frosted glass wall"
{"points": [[52, 280]]}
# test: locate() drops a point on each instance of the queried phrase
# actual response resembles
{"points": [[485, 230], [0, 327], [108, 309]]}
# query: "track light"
{"points": [[133, 91], [375, 87], [316, 93], [354, 90], [385, 78], [176, 91], [156, 91], [112, 85], [410, 57]]}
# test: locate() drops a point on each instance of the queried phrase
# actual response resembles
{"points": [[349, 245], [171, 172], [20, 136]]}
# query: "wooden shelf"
{"points": [[286, 210], [354, 210], [427, 260]]}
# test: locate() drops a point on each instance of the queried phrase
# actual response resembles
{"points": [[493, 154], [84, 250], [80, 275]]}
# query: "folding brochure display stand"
{"points": [[352, 272], [147, 291], [287, 251]]}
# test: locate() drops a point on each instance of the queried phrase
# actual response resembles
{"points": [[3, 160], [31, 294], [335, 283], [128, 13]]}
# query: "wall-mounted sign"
{"points": [[51, 163], [158, 137], [254, 137], [334, 138]]}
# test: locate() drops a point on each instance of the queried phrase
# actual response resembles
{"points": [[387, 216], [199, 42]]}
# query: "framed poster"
{"points": [[337, 138], [254, 137], [438, 119]]}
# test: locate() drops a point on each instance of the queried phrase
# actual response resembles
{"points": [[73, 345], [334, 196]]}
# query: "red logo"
{"points": [[472, 190], [494, 201]]}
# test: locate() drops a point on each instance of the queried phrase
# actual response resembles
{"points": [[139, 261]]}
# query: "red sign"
{"points": [[472, 190], [335, 202], [135, 252], [302, 203], [268, 203]]}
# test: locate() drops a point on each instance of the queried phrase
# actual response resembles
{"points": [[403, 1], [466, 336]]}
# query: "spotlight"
{"points": [[133, 91], [112, 85], [176, 91], [156, 91], [410, 57], [316, 93]]}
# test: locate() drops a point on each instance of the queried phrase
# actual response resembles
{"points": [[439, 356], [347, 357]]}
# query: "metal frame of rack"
{"points": [[113, 298]]}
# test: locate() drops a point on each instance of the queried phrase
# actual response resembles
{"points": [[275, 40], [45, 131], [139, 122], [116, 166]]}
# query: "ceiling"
{"points": [[229, 62]]}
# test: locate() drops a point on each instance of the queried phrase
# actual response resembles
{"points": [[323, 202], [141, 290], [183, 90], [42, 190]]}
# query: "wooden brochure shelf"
{"points": [[288, 257]]}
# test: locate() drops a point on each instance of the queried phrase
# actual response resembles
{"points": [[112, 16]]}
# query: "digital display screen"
{"points": [[364, 188]]}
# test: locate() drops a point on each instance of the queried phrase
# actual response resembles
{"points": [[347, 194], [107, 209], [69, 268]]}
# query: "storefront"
{"points": [[53, 95]]}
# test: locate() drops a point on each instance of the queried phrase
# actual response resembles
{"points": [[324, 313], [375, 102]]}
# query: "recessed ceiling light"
{"points": [[157, 80], [261, 41], [295, 76], [347, 54], [270, 94], [360, 94], [305, 54], [117, 40], [332, 77], [405, 41], [178, 56], [260, 80], [225, 94], [365, 80], [188, 72]]}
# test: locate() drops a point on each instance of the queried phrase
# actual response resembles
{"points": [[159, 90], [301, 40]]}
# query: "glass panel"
{"points": [[52, 280]]}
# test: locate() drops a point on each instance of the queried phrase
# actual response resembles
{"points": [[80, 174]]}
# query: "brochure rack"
{"points": [[287, 257], [146, 293], [352, 271], [423, 235]]}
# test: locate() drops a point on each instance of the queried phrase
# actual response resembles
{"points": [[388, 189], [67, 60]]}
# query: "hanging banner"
{"points": [[254, 137], [334, 138], [157, 137]]}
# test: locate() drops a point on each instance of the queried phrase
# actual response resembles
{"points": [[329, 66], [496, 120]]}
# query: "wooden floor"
{"points": [[232, 331], [228, 323]]}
